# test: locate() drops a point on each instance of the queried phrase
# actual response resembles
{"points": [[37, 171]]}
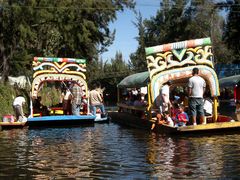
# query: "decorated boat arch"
{"points": [[58, 69], [63, 70], [175, 62]]}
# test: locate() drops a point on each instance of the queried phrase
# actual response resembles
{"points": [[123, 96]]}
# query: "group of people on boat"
{"points": [[73, 102], [135, 97], [176, 111]]}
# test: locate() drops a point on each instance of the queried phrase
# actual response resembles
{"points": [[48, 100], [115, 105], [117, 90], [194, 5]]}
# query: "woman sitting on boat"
{"points": [[140, 101], [38, 107]]}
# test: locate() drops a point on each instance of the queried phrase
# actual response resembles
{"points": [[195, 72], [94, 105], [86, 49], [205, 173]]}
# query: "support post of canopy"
{"points": [[149, 107], [215, 106]]}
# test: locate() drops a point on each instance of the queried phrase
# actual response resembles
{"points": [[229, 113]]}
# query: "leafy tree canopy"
{"points": [[63, 28]]}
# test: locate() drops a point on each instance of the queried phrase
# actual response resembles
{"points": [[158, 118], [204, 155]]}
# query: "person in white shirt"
{"points": [[168, 119], [164, 97], [196, 88], [18, 103], [208, 107]]}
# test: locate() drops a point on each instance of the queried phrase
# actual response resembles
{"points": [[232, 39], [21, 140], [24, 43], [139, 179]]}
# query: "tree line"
{"points": [[80, 29], [179, 20]]}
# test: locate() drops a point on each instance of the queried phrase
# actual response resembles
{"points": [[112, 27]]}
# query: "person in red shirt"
{"points": [[181, 117]]}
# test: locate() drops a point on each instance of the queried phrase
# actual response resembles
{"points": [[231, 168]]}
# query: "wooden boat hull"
{"points": [[67, 120], [11, 125], [201, 128], [133, 121]]}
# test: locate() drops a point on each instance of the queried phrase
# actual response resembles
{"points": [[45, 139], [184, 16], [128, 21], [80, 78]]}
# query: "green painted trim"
{"points": [[149, 50], [207, 41]]}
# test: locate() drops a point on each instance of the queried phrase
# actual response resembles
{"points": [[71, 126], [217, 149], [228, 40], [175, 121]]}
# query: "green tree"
{"points": [[205, 21], [137, 60], [63, 28], [114, 72], [179, 20], [232, 30]]}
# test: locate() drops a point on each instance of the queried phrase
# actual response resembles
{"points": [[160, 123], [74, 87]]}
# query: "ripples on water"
{"points": [[108, 151]]}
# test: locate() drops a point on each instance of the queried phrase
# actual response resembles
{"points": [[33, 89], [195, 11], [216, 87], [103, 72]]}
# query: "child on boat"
{"points": [[174, 110], [163, 119], [182, 117], [168, 119], [159, 120]]}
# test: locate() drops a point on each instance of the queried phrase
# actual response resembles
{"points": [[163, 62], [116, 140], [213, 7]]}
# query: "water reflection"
{"points": [[199, 157], [108, 151]]}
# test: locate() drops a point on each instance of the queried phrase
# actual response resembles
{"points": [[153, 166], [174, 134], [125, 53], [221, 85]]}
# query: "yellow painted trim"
{"points": [[149, 108], [37, 73], [215, 111]]}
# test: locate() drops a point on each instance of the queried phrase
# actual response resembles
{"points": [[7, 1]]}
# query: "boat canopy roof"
{"points": [[229, 81], [135, 80], [52, 69]]}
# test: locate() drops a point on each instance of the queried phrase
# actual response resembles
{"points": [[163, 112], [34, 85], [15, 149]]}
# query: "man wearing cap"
{"points": [[165, 100], [196, 88]]}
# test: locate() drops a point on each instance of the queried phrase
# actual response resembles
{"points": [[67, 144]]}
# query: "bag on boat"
{"points": [[8, 118]]}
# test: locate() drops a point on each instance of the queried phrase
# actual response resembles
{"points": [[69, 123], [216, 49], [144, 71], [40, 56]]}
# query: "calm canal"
{"points": [[109, 151]]}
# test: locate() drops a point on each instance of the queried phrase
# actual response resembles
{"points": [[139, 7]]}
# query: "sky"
{"points": [[126, 32]]}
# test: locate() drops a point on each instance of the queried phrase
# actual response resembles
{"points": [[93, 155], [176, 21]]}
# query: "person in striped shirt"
{"points": [[76, 98]]}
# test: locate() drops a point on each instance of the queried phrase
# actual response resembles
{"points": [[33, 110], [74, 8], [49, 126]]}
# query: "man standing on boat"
{"points": [[196, 88], [76, 98], [96, 100]]}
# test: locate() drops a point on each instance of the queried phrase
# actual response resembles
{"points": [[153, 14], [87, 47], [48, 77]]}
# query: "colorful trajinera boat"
{"points": [[175, 62], [61, 71]]}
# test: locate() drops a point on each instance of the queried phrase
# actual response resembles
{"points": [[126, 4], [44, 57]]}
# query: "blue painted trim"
{"points": [[62, 118]]}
